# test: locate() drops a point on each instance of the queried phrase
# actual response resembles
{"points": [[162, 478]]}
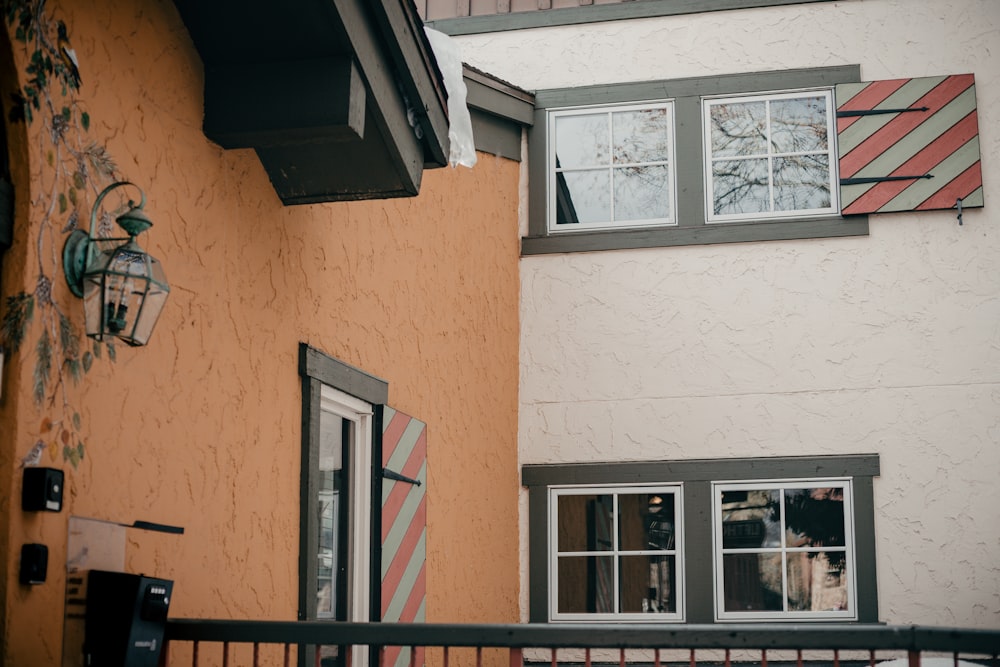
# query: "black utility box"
{"points": [[126, 617]]}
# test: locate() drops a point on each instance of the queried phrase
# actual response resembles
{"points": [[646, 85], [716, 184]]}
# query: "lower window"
{"points": [[703, 540], [784, 550]]}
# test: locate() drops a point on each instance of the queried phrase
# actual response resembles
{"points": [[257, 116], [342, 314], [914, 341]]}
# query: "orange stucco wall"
{"points": [[201, 428]]}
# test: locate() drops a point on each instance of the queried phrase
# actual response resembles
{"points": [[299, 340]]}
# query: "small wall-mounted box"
{"points": [[34, 564], [42, 490]]}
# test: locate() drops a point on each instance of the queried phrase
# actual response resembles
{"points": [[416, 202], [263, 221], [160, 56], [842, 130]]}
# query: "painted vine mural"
{"points": [[74, 170]]}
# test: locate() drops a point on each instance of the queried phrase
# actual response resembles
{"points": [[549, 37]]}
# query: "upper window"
{"points": [[784, 550], [770, 156], [611, 167], [747, 157], [615, 553]]}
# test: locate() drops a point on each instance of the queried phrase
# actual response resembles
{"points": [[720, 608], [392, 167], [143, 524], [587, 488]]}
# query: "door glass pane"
{"points": [[816, 581], [332, 494]]}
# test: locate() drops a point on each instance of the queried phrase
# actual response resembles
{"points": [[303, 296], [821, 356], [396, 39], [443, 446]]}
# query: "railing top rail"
{"points": [[638, 636]]}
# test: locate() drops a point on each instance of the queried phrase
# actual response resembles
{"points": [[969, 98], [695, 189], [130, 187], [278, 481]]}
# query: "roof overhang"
{"points": [[341, 99]]}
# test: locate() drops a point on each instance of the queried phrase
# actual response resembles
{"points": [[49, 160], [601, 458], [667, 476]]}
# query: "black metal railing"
{"points": [[209, 642]]}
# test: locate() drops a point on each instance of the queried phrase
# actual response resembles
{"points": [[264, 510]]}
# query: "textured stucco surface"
{"points": [[201, 428], [888, 343]]}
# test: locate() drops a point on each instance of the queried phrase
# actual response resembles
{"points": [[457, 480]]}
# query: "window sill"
{"points": [[694, 235]]}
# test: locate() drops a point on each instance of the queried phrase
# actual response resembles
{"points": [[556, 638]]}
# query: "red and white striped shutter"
{"points": [[404, 524], [908, 145]]}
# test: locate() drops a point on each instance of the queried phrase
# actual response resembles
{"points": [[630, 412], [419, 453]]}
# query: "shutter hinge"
{"points": [[849, 113], [389, 474], [881, 179]]}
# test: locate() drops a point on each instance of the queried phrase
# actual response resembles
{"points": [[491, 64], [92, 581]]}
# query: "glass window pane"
{"points": [[648, 584], [331, 483], [801, 182], [646, 521], [814, 517], [581, 141], [816, 581], [641, 136], [750, 519], [583, 196], [799, 125], [585, 522], [642, 193], [586, 584], [739, 128], [752, 582], [740, 186]]}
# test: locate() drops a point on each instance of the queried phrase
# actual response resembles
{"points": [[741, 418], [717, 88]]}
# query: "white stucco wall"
{"points": [[885, 344]]}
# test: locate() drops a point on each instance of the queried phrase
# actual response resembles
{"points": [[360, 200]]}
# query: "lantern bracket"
{"points": [[79, 249]]}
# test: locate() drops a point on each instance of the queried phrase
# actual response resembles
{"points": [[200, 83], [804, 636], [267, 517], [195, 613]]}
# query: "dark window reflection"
{"points": [[784, 549], [617, 553]]}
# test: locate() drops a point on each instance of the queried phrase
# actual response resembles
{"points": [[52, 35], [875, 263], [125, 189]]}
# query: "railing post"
{"points": [[914, 657], [516, 657]]}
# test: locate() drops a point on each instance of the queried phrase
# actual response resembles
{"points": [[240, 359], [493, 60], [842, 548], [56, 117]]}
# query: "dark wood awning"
{"points": [[341, 99]]}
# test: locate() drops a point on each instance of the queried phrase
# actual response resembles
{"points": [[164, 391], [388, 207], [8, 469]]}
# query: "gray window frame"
{"points": [[590, 13], [317, 369], [697, 477], [691, 227]]}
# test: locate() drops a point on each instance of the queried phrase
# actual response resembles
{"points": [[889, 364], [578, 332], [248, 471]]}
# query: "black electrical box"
{"points": [[126, 618], [42, 489], [34, 564]]}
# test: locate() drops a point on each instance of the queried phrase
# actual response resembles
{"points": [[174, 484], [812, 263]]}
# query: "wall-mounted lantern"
{"points": [[123, 288]]}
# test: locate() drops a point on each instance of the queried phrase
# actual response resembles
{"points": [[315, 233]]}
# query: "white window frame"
{"points": [[552, 172], [677, 552], [359, 531], [850, 568], [831, 152]]}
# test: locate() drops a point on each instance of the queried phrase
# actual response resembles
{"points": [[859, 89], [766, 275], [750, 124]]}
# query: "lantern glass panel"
{"points": [[93, 294]]}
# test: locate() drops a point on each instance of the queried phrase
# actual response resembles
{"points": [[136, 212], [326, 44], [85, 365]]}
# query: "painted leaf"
{"points": [[76, 421], [85, 121], [46, 425], [88, 361]]}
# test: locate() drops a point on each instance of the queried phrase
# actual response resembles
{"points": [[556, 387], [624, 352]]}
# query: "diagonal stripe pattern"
{"points": [[941, 141], [404, 523]]}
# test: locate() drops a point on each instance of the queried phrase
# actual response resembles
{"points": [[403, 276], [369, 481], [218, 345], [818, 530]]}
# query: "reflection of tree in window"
{"points": [[770, 155], [613, 166]]}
